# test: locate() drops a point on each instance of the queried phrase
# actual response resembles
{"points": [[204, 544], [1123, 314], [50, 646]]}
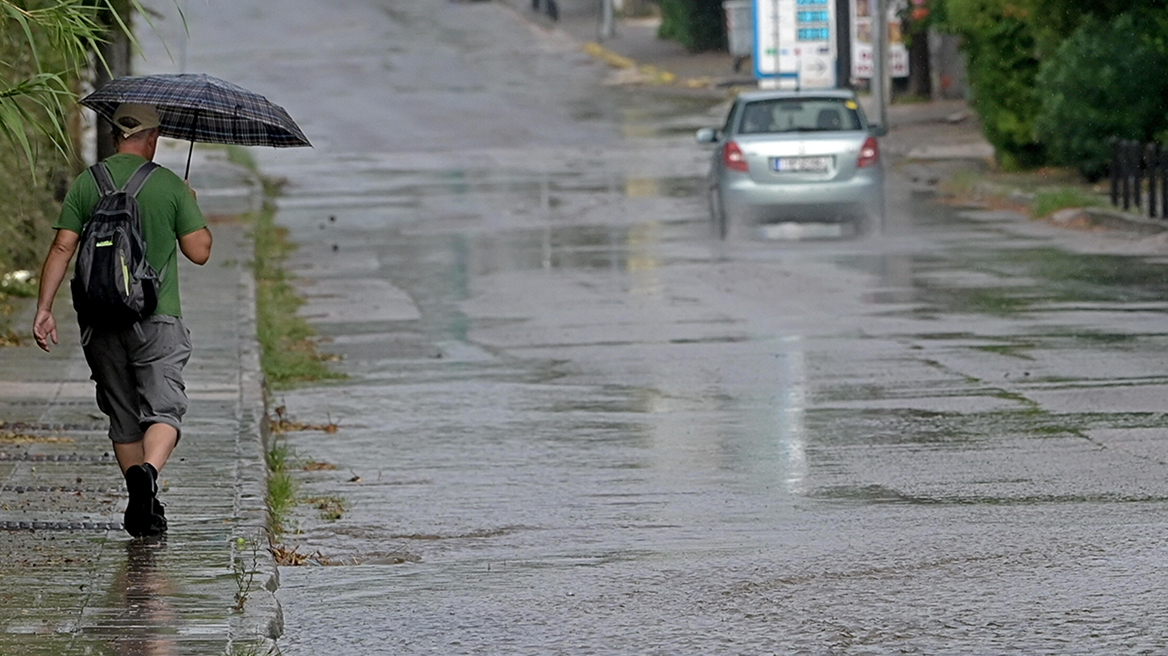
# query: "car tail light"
{"points": [[733, 158], [869, 154]]}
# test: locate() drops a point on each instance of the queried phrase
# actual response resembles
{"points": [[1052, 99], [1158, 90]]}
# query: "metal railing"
{"points": [[1139, 176]]}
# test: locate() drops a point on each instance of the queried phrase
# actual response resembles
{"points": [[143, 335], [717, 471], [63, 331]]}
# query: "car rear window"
{"points": [[799, 115]]}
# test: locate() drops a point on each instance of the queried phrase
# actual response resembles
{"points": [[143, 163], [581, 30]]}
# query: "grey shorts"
{"points": [[138, 372]]}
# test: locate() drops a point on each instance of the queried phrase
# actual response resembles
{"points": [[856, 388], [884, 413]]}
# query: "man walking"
{"points": [[138, 370]]}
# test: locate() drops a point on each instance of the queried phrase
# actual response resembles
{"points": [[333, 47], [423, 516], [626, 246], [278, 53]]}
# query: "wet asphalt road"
{"points": [[580, 426]]}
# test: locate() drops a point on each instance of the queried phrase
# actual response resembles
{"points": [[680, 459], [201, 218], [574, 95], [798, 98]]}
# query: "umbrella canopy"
{"points": [[202, 108]]}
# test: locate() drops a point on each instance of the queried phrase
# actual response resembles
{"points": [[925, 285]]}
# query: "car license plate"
{"points": [[802, 164]]}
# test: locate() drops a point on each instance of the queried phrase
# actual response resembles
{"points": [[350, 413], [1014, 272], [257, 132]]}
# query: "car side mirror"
{"points": [[707, 136], [878, 130]]}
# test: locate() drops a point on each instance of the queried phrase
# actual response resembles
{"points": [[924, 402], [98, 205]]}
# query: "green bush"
{"points": [[1106, 80], [696, 24], [1002, 68]]}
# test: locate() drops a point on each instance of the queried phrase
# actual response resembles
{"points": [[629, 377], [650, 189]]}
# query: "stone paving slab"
{"points": [[76, 582]]}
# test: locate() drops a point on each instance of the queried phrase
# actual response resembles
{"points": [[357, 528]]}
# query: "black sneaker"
{"points": [[144, 515], [158, 515]]}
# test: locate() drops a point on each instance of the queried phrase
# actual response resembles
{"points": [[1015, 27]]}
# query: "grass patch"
{"points": [[281, 499], [1049, 201], [289, 350], [281, 486], [280, 457]]}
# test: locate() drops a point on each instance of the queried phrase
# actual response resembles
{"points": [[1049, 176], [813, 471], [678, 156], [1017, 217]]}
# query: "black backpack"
{"points": [[113, 285]]}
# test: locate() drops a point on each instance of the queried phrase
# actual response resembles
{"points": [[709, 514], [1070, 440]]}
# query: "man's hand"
{"points": [[44, 329], [44, 325]]}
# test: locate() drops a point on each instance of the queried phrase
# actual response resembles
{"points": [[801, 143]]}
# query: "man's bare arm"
{"points": [[196, 246], [44, 325]]}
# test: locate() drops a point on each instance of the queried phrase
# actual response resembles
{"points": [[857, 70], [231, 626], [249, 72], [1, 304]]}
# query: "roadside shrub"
{"points": [[1002, 64], [27, 206], [1106, 80], [1002, 70], [28, 190], [696, 24]]}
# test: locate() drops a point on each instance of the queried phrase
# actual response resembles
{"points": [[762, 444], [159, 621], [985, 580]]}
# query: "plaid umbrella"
{"points": [[202, 108]]}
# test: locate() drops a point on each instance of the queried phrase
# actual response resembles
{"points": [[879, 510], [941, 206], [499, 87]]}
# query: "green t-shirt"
{"points": [[168, 209]]}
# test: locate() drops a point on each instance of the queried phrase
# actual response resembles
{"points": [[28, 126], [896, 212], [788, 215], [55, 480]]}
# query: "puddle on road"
{"points": [[878, 494], [985, 277]]}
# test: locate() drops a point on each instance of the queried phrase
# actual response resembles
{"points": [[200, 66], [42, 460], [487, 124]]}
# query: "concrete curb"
{"points": [[262, 619], [1114, 219], [1108, 218]]}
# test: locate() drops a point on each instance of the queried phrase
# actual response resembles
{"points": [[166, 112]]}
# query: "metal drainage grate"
{"points": [[21, 489], [31, 427], [72, 457], [59, 526]]}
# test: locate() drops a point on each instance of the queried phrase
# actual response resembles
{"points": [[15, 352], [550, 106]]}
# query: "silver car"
{"points": [[796, 157]]}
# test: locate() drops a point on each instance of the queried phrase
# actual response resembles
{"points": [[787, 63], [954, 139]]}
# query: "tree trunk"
{"points": [[116, 52], [920, 79]]}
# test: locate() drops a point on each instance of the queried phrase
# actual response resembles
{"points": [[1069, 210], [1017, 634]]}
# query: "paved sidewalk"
{"points": [[76, 582]]}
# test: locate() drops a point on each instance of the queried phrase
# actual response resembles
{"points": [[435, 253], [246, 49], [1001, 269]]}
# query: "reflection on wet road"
{"points": [[576, 424]]}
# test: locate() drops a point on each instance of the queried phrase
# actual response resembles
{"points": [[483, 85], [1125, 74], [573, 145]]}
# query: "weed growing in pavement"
{"points": [[280, 456], [281, 487], [244, 571]]}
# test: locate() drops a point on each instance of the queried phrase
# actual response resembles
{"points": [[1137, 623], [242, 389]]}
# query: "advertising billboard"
{"points": [[864, 38], [794, 43]]}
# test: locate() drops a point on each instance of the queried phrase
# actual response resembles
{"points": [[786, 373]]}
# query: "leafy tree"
{"points": [[1058, 19], [1106, 80], [51, 42], [45, 48], [696, 24], [1059, 114]]}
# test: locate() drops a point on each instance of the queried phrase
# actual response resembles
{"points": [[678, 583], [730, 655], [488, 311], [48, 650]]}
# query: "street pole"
{"points": [[778, 58], [607, 22], [881, 83]]}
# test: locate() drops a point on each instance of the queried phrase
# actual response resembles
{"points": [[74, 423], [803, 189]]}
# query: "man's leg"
{"points": [[130, 454], [141, 462], [159, 443], [155, 448]]}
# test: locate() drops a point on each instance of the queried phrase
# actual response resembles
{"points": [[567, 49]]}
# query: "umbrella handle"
{"points": [[194, 129]]}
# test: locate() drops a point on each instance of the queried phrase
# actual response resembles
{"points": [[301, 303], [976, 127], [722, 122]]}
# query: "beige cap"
{"points": [[132, 118]]}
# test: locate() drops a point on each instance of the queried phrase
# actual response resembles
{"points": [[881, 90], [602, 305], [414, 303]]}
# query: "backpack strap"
{"points": [[105, 182], [101, 175], [138, 180]]}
